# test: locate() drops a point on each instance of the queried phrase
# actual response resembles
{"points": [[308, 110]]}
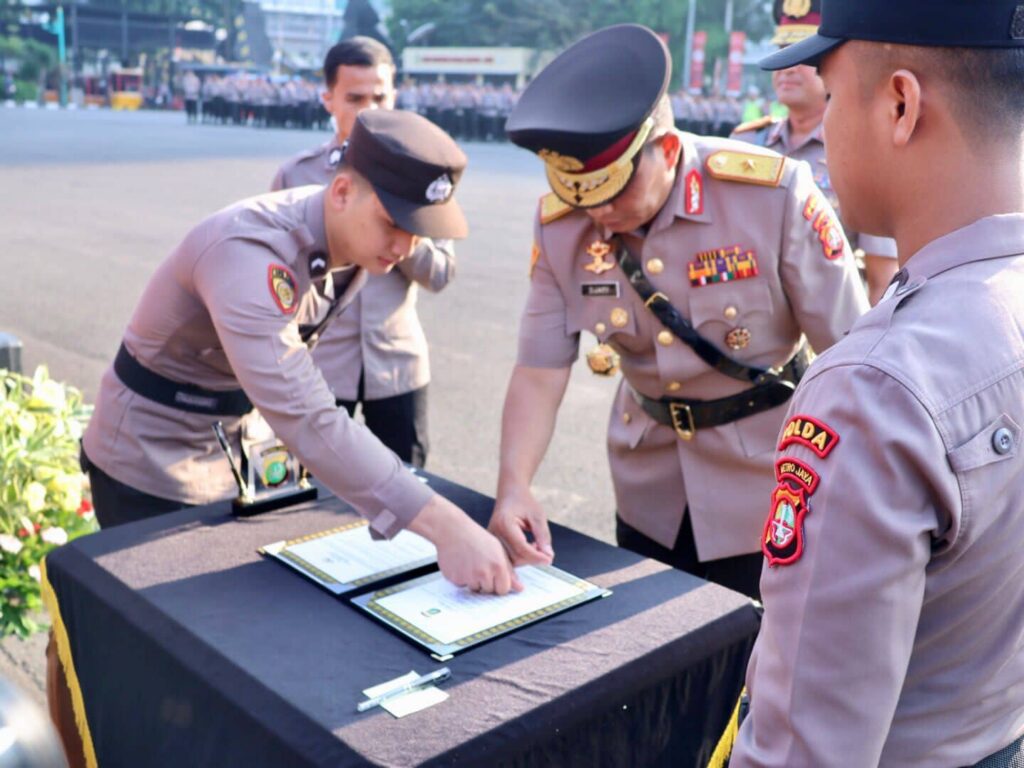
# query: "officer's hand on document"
{"points": [[467, 554], [517, 513]]}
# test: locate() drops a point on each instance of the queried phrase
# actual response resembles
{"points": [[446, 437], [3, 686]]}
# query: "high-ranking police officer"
{"points": [[375, 354], [800, 134], [701, 263], [225, 325], [893, 631]]}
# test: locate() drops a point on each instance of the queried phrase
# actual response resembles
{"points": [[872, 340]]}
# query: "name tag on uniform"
{"points": [[601, 289]]}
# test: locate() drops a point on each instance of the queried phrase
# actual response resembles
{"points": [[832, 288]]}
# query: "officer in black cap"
{"points": [[893, 630], [699, 264], [226, 325]]}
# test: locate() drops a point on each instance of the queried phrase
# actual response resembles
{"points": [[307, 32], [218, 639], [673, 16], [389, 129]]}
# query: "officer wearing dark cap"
{"points": [[226, 324], [893, 631], [800, 134], [699, 264]]}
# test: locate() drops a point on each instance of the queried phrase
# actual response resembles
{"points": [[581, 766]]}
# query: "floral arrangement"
{"points": [[41, 487]]}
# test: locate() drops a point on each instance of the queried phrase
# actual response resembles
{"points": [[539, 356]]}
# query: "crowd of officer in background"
{"points": [[467, 111], [257, 100]]}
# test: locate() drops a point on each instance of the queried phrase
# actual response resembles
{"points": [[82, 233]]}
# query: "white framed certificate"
{"points": [[346, 558], [446, 619]]}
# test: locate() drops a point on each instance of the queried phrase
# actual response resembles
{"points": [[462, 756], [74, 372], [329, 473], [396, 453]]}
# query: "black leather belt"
{"points": [[687, 416], [174, 394]]}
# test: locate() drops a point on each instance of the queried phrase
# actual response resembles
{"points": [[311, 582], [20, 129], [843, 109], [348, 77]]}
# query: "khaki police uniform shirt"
{"points": [[775, 135], [380, 333], [724, 473], [896, 636], [210, 316]]}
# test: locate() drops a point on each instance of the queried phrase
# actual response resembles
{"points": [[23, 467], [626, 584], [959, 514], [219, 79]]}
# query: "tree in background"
{"points": [[552, 26]]}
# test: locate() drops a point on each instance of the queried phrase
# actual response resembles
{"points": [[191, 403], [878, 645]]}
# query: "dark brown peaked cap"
{"points": [[414, 168], [952, 23], [585, 113]]}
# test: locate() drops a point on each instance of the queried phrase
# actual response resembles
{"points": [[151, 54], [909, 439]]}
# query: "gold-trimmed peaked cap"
{"points": [[795, 20], [588, 113]]}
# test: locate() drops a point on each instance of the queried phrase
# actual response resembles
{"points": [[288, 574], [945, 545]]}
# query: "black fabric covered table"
{"points": [[191, 649]]}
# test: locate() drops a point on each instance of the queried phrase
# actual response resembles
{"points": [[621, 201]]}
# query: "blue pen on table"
{"points": [[420, 682]]}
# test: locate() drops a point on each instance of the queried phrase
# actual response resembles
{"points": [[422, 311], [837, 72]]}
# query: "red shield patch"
{"points": [[783, 541]]}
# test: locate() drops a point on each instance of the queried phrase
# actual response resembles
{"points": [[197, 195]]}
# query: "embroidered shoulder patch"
{"points": [[808, 431], [795, 469], [783, 540], [694, 193], [824, 222], [746, 167], [282, 287], [552, 208]]}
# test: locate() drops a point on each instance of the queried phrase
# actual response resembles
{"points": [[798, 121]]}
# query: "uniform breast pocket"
{"points": [[606, 317], [715, 310]]}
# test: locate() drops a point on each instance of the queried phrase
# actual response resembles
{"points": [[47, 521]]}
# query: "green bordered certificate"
{"points": [[446, 619], [346, 558]]}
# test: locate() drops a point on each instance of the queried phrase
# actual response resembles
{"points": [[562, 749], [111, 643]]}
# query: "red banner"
{"points": [[700, 41], [734, 81]]}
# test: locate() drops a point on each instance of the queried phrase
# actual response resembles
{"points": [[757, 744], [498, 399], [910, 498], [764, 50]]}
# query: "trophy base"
{"points": [[271, 501]]}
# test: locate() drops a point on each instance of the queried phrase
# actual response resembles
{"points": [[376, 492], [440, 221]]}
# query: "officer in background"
{"points": [[801, 137], [893, 631], [226, 322], [375, 353], [701, 263]]}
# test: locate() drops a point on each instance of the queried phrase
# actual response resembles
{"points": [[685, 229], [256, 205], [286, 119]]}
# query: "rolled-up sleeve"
{"points": [[274, 367]]}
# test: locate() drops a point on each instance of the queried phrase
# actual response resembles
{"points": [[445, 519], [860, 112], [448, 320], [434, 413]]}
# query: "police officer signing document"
{"points": [[226, 324], [701, 264], [893, 630]]}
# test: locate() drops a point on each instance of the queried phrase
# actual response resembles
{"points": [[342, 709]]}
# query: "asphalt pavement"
{"points": [[91, 202]]}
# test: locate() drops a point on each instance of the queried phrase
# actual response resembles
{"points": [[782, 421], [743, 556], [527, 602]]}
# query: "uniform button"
{"points": [[619, 317], [626, 418], [655, 266], [1002, 441], [600, 328], [674, 386], [730, 312], [665, 338]]}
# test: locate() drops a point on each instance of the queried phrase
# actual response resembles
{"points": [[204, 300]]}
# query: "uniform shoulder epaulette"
{"points": [[746, 167], [754, 125], [552, 208]]}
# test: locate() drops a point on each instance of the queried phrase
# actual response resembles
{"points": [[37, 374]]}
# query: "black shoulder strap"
{"points": [[669, 316]]}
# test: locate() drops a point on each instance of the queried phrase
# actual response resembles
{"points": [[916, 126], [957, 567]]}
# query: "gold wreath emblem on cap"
{"points": [[560, 162], [592, 188], [796, 8]]}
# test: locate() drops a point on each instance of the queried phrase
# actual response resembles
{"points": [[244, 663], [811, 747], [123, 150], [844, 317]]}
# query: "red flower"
{"points": [[38, 527], [85, 507], [23, 533]]}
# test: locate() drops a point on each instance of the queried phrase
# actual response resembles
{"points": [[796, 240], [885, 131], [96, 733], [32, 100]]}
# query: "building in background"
{"points": [[459, 65]]}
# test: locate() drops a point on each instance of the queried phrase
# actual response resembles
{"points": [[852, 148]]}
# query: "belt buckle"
{"points": [[686, 429]]}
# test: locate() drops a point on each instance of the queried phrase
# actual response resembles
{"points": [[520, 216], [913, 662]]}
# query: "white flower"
{"points": [[9, 544], [35, 573], [26, 423], [57, 536], [47, 394], [35, 496]]}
